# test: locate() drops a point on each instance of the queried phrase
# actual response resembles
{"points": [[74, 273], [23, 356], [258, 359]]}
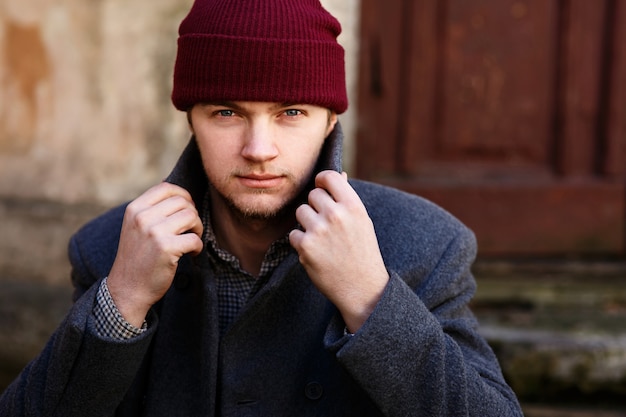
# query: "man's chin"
{"points": [[255, 214], [261, 206], [259, 211]]}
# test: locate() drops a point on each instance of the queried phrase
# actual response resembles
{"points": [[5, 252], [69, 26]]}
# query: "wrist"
{"points": [[357, 309], [355, 319], [128, 304], [109, 320]]}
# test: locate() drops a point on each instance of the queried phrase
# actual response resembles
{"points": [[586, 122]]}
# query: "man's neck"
{"points": [[245, 238]]}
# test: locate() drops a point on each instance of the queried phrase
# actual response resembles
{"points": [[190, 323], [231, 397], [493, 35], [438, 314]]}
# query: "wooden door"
{"points": [[511, 114]]}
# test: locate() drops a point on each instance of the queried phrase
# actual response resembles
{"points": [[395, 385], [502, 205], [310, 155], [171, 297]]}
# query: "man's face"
{"points": [[259, 156]]}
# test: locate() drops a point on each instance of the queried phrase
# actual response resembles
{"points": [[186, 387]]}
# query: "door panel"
{"points": [[510, 114]]}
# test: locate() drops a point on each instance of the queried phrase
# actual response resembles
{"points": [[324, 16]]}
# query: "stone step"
{"points": [[558, 328], [29, 313], [568, 411]]}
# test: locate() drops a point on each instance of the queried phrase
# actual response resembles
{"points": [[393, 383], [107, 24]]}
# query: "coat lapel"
{"points": [[183, 366]]}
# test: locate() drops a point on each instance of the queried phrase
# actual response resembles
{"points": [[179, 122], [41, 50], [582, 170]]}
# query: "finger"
{"points": [[176, 204], [295, 238], [336, 185], [184, 221], [197, 227], [147, 216], [194, 223], [172, 205], [178, 234], [306, 215], [190, 243], [161, 192], [320, 200]]}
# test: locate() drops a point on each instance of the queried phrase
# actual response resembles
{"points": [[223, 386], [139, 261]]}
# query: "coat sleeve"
{"points": [[419, 353], [77, 370]]}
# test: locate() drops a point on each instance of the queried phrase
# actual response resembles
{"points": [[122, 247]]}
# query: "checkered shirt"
{"points": [[109, 320], [234, 285]]}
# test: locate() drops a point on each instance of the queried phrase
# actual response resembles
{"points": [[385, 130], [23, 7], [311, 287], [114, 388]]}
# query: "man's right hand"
{"points": [[159, 227]]}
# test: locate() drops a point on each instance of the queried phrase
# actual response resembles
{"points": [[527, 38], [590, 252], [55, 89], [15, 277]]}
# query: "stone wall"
{"points": [[85, 113]]}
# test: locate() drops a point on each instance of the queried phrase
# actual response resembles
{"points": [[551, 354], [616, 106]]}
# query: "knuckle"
{"points": [[132, 209], [322, 229], [316, 193], [178, 202], [306, 246], [190, 217], [140, 220], [166, 186], [334, 217], [300, 210], [154, 236]]}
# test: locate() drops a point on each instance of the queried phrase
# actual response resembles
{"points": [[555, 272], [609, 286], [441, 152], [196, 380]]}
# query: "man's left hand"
{"points": [[338, 248]]}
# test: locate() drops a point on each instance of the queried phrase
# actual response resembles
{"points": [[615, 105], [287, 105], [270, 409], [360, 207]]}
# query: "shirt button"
{"points": [[313, 391]]}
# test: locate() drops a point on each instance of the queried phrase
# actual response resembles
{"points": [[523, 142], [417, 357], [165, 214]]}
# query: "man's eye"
{"points": [[226, 113], [293, 112]]}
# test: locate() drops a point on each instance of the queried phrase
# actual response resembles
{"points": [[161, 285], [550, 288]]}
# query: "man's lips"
{"points": [[260, 180]]}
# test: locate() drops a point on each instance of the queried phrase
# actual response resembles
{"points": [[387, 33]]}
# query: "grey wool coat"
{"points": [[419, 354]]}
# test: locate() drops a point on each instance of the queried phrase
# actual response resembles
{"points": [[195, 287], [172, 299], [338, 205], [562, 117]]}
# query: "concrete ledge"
{"points": [[35, 291], [558, 329], [552, 366], [565, 411], [34, 235]]}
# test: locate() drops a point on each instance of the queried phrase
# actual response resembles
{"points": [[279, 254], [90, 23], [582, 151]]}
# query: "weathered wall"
{"points": [[85, 113]]}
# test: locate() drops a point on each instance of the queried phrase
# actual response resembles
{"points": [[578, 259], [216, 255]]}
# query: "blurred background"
{"points": [[511, 114]]}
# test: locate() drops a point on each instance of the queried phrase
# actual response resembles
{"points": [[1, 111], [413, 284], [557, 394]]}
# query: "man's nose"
{"points": [[260, 142]]}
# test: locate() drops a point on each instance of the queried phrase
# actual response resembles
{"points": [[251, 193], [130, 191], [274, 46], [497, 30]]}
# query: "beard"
{"points": [[254, 213], [257, 211]]}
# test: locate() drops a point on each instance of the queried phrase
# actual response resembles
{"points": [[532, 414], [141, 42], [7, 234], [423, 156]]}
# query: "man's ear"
{"points": [[332, 121]]}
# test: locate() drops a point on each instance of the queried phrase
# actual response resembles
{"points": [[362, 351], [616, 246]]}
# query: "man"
{"points": [[257, 280]]}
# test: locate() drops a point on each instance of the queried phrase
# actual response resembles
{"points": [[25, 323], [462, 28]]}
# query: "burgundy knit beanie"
{"points": [[259, 50]]}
